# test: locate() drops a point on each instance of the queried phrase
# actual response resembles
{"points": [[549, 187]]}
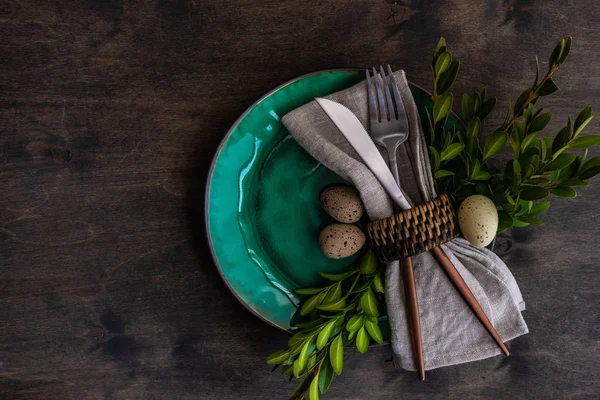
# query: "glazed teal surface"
{"points": [[263, 210]]}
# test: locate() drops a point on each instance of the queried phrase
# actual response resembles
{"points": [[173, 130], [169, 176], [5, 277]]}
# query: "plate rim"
{"points": [[214, 162]]}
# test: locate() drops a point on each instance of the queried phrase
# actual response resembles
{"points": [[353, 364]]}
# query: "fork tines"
{"points": [[385, 101]]}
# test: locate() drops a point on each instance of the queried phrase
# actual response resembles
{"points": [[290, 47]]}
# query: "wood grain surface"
{"points": [[110, 113]]}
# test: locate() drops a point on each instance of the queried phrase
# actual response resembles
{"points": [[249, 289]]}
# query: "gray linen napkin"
{"points": [[450, 331]]}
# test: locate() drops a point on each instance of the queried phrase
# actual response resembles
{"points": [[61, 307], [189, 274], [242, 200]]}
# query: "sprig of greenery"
{"points": [[342, 314], [539, 167]]}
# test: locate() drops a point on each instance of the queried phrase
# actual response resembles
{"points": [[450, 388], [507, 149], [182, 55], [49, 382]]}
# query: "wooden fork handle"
{"points": [[466, 293], [414, 321]]}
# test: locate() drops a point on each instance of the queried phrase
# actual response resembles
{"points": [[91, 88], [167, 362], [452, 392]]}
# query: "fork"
{"points": [[389, 129], [389, 124]]}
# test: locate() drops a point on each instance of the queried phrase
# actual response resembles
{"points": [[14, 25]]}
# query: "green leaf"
{"points": [[351, 335], [441, 173], [481, 176], [547, 88], [519, 224], [562, 161], [565, 51], [539, 123], [369, 303], [355, 322], [475, 166], [575, 182], [334, 306], [303, 357], [443, 62], [430, 125], [309, 324], [309, 290], [447, 78], [296, 369], [337, 277], [334, 293], [288, 370], [368, 264], [440, 132], [521, 101], [324, 335], [482, 93], [539, 208], [518, 132], [507, 117], [466, 107], [300, 335], [472, 147], [452, 151], [435, 158], [546, 149], [486, 108], [530, 165], [529, 140], [297, 341], [570, 171], [336, 354], [589, 173], [314, 389], [363, 286], [512, 173], [378, 283], [590, 168], [584, 142], [584, 118], [311, 303], [557, 53], [564, 191], [474, 127], [494, 144], [374, 331], [362, 340], [312, 360], [440, 48], [482, 189], [505, 221], [442, 107], [278, 357], [534, 193], [476, 102], [527, 113], [325, 376], [530, 220]]}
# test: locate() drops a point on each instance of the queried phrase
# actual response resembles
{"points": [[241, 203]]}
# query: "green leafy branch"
{"points": [[342, 314], [539, 167]]}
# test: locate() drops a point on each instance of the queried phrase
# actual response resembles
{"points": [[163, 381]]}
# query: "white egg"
{"points": [[478, 220]]}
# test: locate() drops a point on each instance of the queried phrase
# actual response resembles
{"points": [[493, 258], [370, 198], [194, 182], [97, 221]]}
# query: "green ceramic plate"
{"points": [[263, 214]]}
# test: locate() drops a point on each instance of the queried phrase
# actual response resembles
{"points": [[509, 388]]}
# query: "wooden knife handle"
{"points": [[466, 293], [414, 321]]}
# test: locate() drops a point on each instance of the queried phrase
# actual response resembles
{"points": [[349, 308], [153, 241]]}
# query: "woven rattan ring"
{"points": [[414, 231]]}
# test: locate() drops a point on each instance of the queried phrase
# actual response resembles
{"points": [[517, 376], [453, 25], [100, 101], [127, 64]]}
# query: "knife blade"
{"points": [[359, 139]]}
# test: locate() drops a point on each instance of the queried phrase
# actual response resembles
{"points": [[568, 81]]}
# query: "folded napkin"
{"points": [[451, 333]]}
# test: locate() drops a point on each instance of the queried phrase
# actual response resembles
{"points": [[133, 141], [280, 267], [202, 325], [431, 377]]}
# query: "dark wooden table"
{"points": [[110, 113]]}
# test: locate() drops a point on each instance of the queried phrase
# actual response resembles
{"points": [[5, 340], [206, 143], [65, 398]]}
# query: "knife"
{"points": [[357, 136]]}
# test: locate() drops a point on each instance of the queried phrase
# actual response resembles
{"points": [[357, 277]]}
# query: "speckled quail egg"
{"points": [[478, 220], [342, 203], [341, 240]]}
